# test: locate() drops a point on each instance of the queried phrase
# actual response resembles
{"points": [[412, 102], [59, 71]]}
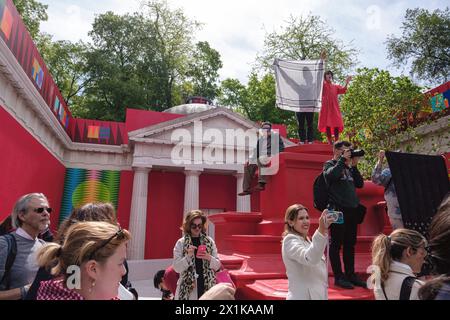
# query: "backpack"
{"points": [[12, 251], [320, 192]]}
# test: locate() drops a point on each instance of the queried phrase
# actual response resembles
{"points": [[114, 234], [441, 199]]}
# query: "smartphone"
{"points": [[337, 216], [201, 250]]}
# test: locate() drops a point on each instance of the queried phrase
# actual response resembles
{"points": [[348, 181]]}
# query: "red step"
{"points": [[275, 227], [231, 262], [255, 244], [276, 289]]}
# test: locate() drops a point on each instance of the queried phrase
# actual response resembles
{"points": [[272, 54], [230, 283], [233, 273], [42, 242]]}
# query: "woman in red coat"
{"points": [[330, 114]]}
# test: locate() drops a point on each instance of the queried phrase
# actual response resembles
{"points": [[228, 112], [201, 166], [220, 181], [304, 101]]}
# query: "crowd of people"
{"points": [[87, 258]]}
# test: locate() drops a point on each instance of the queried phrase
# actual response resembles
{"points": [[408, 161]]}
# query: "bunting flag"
{"points": [[83, 186], [37, 73], [93, 132], [104, 133], [6, 19], [56, 105]]}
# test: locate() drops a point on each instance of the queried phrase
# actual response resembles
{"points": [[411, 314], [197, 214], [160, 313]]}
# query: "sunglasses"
{"points": [[40, 210], [116, 235], [196, 226]]}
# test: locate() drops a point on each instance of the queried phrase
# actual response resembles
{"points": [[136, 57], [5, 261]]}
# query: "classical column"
{"points": [[242, 203], [138, 215], [191, 190]]}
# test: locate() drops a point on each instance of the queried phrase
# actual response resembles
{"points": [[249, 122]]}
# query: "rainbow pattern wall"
{"points": [[82, 186]]}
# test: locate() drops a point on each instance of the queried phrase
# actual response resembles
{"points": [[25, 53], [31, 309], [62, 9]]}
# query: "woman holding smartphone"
{"points": [[304, 258], [195, 258]]}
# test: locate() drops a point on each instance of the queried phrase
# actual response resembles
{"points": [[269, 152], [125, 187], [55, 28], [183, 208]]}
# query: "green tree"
{"points": [[113, 64], [305, 38], [172, 41], [256, 101], [231, 93], [67, 64], [33, 13], [142, 60], [376, 108], [301, 38], [203, 70], [425, 44]]}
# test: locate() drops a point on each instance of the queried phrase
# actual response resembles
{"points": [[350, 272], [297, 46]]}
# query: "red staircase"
{"points": [[250, 243]]}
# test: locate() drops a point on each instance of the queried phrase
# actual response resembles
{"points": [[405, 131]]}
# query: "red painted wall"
{"points": [[138, 119], [26, 167], [164, 213], [125, 194], [217, 192]]}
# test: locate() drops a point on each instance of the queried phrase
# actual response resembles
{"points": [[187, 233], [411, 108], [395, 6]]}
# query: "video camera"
{"points": [[357, 153]]}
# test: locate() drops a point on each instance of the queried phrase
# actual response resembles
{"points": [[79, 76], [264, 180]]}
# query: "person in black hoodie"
{"points": [[343, 177]]}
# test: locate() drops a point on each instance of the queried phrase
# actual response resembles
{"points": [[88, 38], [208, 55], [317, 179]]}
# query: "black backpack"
{"points": [[12, 252], [320, 192]]}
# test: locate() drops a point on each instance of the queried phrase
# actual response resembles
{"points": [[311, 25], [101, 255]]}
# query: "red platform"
{"points": [[250, 243]]}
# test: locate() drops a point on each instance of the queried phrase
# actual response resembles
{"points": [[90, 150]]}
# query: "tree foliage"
{"points": [[203, 70], [33, 13], [67, 64], [425, 43], [375, 108], [304, 38], [299, 39]]}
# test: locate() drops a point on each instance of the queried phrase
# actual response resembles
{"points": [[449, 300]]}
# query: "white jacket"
{"points": [[181, 263], [397, 273], [306, 267]]}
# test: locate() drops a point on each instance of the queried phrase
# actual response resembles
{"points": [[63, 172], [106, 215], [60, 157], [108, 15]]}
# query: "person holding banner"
{"points": [[330, 117], [299, 89]]}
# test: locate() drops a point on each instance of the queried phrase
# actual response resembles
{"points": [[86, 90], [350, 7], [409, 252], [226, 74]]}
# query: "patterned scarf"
{"points": [[188, 276]]}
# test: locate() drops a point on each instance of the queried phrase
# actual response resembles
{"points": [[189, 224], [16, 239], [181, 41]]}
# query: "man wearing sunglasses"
{"points": [[18, 265]]}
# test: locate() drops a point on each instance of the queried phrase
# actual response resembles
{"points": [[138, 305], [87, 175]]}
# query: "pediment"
{"points": [[217, 119]]}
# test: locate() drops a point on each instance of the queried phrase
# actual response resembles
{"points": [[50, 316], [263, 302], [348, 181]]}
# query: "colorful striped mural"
{"points": [[82, 186]]}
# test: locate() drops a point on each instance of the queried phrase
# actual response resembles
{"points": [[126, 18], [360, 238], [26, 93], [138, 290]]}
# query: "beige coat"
{"points": [[181, 263], [397, 273], [306, 267]]}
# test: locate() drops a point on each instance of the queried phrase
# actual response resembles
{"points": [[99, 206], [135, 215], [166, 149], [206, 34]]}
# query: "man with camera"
{"points": [[343, 177]]}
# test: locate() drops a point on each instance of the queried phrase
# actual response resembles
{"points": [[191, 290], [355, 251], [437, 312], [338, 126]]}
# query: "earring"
{"points": [[92, 286]]}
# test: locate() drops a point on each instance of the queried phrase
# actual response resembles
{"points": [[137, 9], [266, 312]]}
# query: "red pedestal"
{"points": [[250, 243]]}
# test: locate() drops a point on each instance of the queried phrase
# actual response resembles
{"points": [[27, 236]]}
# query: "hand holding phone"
{"points": [[201, 250], [335, 216]]}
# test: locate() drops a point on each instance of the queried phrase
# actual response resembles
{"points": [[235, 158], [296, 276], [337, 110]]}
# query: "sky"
{"points": [[236, 28]]}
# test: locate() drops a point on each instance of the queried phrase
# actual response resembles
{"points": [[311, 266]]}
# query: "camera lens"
{"points": [[358, 153]]}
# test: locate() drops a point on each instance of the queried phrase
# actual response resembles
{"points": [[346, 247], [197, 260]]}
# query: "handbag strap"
{"points": [[407, 284], [384, 292]]}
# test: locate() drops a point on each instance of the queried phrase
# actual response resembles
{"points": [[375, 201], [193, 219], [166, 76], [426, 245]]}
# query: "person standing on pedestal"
{"points": [[330, 117]]}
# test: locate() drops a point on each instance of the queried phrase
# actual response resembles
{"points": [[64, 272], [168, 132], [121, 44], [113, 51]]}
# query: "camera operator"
{"points": [[342, 176]]}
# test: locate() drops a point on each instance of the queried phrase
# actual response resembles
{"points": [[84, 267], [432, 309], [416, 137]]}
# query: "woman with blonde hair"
{"points": [[89, 264], [195, 258], [397, 259], [305, 262]]}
